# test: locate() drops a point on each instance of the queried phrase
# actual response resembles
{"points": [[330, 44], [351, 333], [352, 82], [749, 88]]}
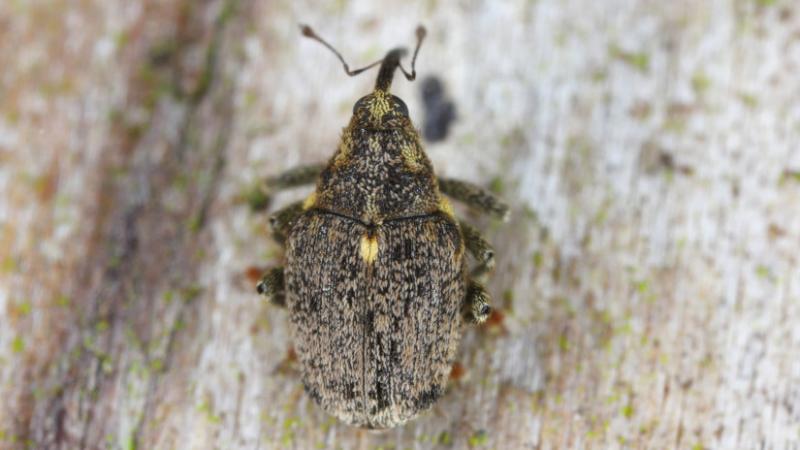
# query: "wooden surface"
{"points": [[649, 275]]}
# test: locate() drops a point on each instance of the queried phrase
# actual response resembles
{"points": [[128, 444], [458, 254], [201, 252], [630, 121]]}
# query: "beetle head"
{"points": [[380, 110]]}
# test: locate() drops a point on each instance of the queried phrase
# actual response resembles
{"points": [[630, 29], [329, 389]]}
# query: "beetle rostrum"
{"points": [[375, 275]]}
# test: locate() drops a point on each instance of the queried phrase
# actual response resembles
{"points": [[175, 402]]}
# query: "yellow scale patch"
{"points": [[374, 143], [411, 157], [379, 106], [369, 248], [343, 155], [310, 201], [446, 207]]}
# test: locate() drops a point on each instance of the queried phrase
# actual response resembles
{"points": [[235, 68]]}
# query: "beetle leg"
{"points": [[281, 220], [474, 196], [260, 195], [476, 306], [271, 286], [478, 247]]}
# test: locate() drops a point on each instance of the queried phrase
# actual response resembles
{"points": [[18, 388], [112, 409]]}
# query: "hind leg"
{"points": [[476, 304], [479, 248]]}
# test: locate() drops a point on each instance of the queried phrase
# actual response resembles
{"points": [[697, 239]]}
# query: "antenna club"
{"points": [[307, 31], [421, 32]]}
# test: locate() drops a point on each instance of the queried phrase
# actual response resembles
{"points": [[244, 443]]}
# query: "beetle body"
{"points": [[375, 276]]}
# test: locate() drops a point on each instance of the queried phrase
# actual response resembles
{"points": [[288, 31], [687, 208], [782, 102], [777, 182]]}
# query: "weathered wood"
{"points": [[648, 276]]}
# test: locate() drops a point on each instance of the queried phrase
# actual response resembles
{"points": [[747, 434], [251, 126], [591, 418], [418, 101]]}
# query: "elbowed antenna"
{"points": [[309, 33], [390, 62]]}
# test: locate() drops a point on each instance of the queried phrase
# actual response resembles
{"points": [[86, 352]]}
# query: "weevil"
{"points": [[375, 275]]}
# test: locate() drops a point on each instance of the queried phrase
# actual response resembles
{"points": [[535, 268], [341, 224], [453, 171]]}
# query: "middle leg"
{"points": [[272, 286], [479, 248], [283, 219], [476, 304]]}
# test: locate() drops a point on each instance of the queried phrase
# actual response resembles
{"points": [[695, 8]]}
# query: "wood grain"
{"points": [[648, 277]]}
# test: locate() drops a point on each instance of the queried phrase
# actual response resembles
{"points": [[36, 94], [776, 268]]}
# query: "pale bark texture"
{"points": [[648, 277]]}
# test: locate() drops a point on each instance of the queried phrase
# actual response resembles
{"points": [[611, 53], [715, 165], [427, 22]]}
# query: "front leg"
{"points": [[260, 195], [474, 196]]}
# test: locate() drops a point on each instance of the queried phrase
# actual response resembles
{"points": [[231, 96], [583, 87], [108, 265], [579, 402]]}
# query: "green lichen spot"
{"points": [[24, 308], [289, 425], [749, 100], [700, 83], [228, 10], [637, 60], [206, 410], [121, 39], [790, 175], [563, 343], [179, 325], [627, 411], [191, 292], [9, 264], [130, 443], [599, 76], [195, 223], [62, 301], [478, 439], [157, 365], [18, 345], [675, 124], [497, 185], [537, 259], [169, 296], [114, 262], [106, 364]]}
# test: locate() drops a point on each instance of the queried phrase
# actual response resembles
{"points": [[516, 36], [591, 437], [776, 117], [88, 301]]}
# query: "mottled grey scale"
{"points": [[412, 354], [321, 311], [401, 364]]}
